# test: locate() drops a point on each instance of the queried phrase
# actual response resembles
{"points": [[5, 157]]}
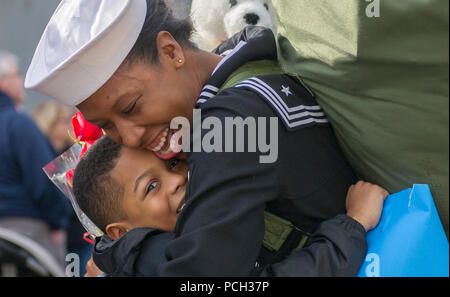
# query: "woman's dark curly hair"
{"points": [[159, 18]]}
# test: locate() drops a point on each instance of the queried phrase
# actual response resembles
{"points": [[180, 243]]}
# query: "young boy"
{"points": [[130, 195], [133, 196]]}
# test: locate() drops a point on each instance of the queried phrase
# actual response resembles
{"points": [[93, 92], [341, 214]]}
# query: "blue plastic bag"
{"points": [[409, 240]]}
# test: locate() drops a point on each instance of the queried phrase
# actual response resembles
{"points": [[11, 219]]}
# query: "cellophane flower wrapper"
{"points": [[57, 170]]}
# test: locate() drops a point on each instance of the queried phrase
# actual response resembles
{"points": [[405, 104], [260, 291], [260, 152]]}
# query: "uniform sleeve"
{"points": [[221, 227], [337, 248], [33, 152], [152, 254]]}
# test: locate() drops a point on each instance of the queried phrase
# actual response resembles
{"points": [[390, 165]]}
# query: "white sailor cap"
{"points": [[82, 46]]}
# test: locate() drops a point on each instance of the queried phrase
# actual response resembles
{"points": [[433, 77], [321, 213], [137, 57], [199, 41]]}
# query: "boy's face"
{"points": [[154, 190]]}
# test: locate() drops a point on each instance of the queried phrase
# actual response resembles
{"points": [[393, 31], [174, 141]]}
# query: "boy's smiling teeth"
{"points": [[162, 141]]}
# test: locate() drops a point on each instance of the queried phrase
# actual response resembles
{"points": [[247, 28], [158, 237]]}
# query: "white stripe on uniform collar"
{"points": [[288, 109], [288, 114], [300, 110], [210, 91], [208, 94], [235, 50], [211, 88]]}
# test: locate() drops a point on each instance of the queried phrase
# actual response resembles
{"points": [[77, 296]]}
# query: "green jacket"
{"points": [[382, 82]]}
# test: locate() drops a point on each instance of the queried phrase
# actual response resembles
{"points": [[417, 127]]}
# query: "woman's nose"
{"points": [[131, 136]]}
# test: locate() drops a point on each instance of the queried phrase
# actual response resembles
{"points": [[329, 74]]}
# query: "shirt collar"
{"points": [[251, 44]]}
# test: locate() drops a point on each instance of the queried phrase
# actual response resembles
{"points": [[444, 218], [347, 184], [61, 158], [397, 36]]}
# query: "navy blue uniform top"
{"points": [[25, 190], [220, 230]]}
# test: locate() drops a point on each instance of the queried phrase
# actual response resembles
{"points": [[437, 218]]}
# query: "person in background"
{"points": [[55, 121], [11, 81], [29, 203]]}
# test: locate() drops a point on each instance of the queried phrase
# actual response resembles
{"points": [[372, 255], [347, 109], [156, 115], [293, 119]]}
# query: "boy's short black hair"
{"points": [[97, 193], [159, 18]]}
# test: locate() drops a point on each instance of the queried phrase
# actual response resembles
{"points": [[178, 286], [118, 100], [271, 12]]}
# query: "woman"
{"points": [[155, 74]]}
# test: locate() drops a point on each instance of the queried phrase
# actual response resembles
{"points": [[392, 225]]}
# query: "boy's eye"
{"points": [[173, 163], [152, 186]]}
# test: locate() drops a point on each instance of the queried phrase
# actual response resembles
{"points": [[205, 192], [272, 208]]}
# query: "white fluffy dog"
{"points": [[217, 20]]}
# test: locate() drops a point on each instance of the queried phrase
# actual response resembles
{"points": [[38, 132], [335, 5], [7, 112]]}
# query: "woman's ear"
{"points": [[169, 49], [116, 230]]}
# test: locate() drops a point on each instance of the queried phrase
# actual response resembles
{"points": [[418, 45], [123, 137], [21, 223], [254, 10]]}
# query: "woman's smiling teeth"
{"points": [[162, 141], [166, 149]]}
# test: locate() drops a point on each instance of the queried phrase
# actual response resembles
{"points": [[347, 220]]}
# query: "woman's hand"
{"points": [[365, 203]]}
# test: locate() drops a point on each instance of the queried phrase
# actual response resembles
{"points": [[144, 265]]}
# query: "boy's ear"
{"points": [[116, 230]]}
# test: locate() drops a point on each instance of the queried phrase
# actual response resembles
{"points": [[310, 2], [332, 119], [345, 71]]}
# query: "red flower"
{"points": [[86, 134], [85, 131], [69, 177]]}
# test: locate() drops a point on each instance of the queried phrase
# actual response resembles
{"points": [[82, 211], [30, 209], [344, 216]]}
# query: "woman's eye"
{"points": [[151, 187], [173, 163], [130, 109]]}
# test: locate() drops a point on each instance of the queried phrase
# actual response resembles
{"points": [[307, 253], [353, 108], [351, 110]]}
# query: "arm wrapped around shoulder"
{"points": [[337, 248]]}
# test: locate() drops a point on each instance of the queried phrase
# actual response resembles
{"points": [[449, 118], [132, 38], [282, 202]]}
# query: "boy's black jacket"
{"points": [[335, 249], [137, 253]]}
